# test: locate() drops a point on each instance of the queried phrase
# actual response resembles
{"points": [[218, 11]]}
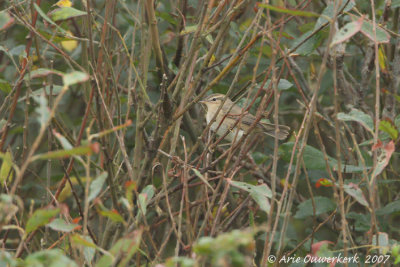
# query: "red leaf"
{"points": [[114, 211], [349, 30], [317, 246], [128, 183], [128, 123], [323, 182], [389, 149], [95, 147], [76, 220], [377, 145]]}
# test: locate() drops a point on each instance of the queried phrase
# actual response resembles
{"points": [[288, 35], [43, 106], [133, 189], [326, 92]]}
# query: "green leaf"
{"points": [[389, 128], [6, 259], [39, 218], [96, 186], [5, 86], [144, 197], [395, 4], [6, 52], [18, 51], [66, 13], [43, 110], [282, 85], [314, 159], [63, 141], [357, 115], [49, 258], [290, 11], [40, 11], [126, 247], [381, 35], [224, 244], [382, 241], [396, 252], [259, 157], [89, 247], [322, 205], [397, 121], [68, 147], [308, 46], [88, 252], [329, 12], [347, 31], [6, 167], [189, 29], [82, 240], [167, 17], [61, 225], [259, 189], [397, 259], [354, 191], [42, 72], [112, 214], [105, 261], [392, 207], [362, 222], [209, 38], [397, 97], [204, 245], [74, 77], [64, 153], [45, 90], [260, 193]]}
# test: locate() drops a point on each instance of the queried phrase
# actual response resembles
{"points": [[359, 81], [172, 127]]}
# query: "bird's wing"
{"points": [[248, 119], [245, 117]]}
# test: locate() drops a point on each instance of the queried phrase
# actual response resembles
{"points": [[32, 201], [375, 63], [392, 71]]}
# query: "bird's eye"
{"points": [[214, 99]]}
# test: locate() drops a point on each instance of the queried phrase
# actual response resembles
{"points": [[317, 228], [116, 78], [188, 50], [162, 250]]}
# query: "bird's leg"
{"points": [[211, 146]]}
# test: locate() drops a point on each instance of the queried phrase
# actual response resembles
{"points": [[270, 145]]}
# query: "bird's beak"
{"points": [[202, 101]]}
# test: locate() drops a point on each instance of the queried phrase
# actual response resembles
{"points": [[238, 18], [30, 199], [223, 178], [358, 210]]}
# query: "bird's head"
{"points": [[214, 100]]}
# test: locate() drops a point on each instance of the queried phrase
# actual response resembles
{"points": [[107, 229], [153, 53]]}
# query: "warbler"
{"points": [[230, 113]]}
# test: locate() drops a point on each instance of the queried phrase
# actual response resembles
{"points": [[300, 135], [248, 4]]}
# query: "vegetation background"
{"points": [[106, 159]]}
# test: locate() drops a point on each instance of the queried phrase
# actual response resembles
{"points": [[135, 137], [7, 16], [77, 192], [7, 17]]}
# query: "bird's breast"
{"points": [[224, 127]]}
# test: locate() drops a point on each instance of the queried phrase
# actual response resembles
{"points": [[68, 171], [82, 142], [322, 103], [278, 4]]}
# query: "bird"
{"points": [[230, 113]]}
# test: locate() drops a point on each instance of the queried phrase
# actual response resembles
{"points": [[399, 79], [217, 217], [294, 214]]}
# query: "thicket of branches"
{"points": [[106, 158]]}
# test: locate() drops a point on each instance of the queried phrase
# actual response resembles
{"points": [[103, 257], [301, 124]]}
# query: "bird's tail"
{"points": [[269, 129]]}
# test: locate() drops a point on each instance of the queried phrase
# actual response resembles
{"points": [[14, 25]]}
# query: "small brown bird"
{"points": [[230, 113]]}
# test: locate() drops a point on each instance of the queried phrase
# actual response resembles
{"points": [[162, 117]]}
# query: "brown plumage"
{"points": [[230, 113]]}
